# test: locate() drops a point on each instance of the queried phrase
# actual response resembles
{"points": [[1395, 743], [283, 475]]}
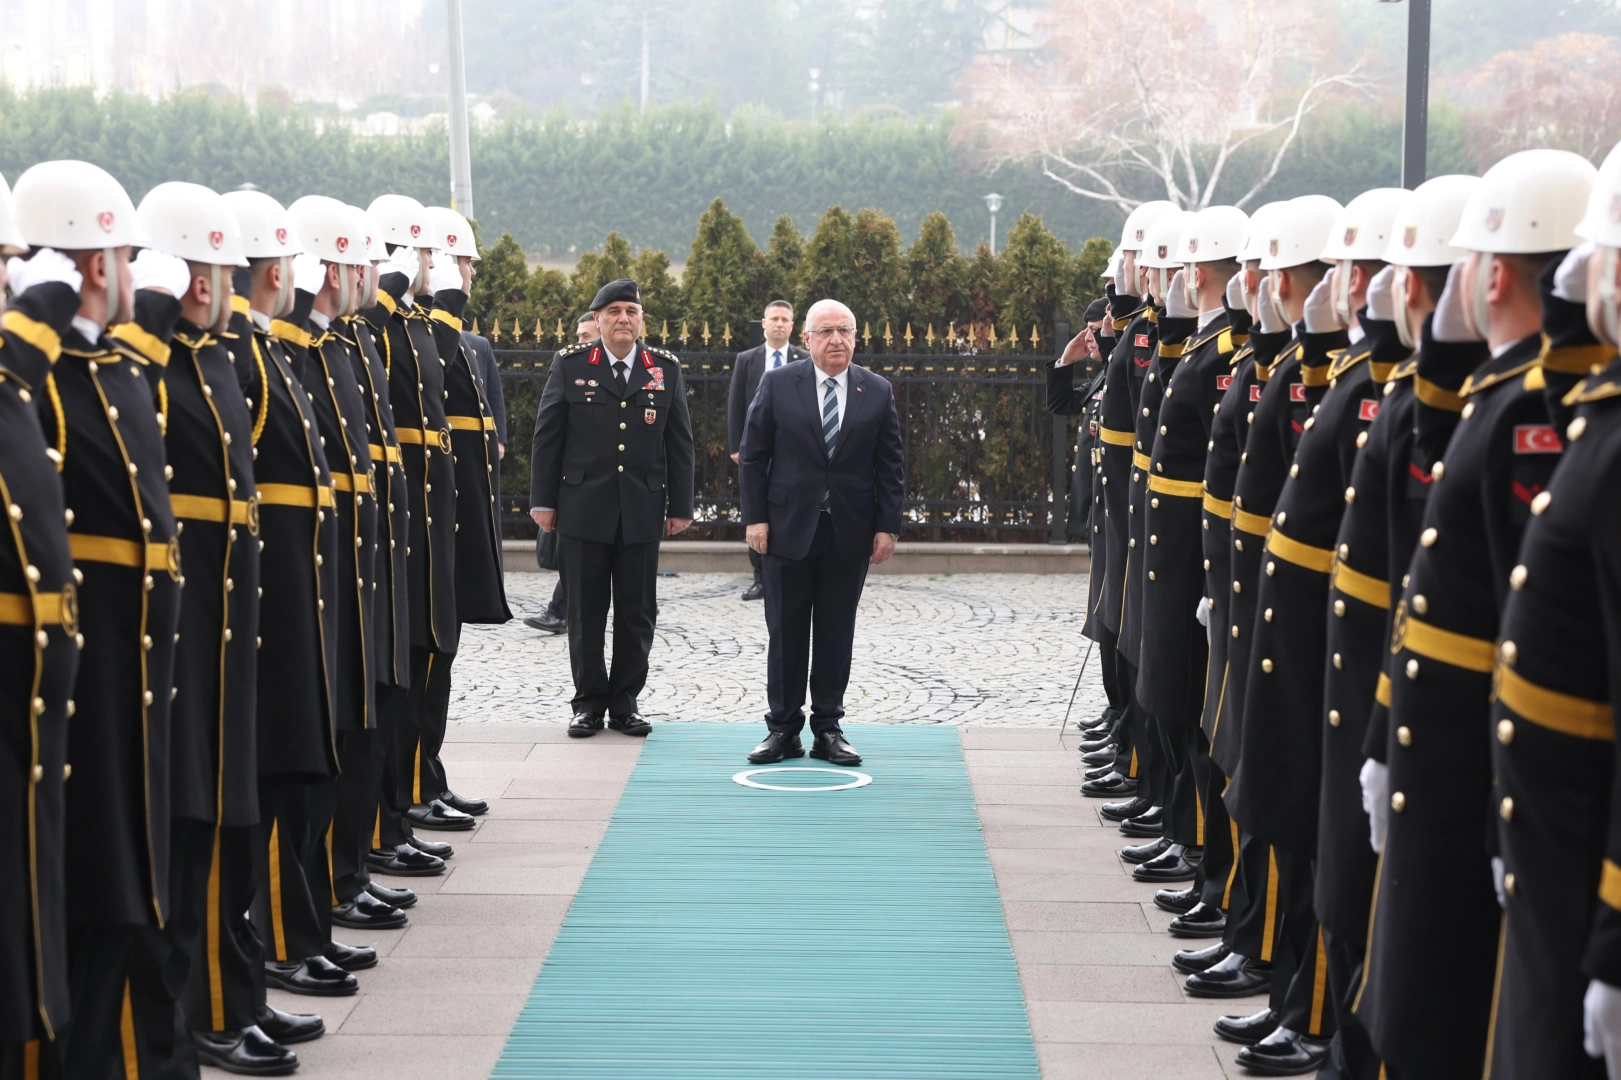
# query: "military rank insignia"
{"points": [[650, 415]]}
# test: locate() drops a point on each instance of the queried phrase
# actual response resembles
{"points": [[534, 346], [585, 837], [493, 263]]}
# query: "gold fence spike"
{"points": [[1035, 336], [726, 335], [1013, 336], [706, 333], [888, 340], [907, 337], [560, 332], [475, 324], [929, 337], [539, 331], [495, 330], [683, 331], [866, 335], [951, 332], [993, 335], [664, 332]]}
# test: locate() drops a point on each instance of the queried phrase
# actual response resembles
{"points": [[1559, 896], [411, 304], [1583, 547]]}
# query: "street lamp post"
{"points": [[994, 202], [1416, 114], [461, 161]]}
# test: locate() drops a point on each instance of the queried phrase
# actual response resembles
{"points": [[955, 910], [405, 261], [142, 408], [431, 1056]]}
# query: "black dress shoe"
{"points": [[1108, 787], [1202, 920], [1247, 1030], [1194, 855], [471, 807], [439, 816], [1120, 811], [366, 912], [1103, 755], [1192, 961], [1098, 773], [437, 848], [831, 748], [350, 957], [1092, 746], [288, 1028], [1284, 1053], [1144, 852], [1177, 901], [755, 591], [404, 861], [314, 975], [1151, 823], [1235, 976], [630, 724], [584, 725], [546, 623], [249, 1052], [777, 746], [400, 898], [1171, 866]]}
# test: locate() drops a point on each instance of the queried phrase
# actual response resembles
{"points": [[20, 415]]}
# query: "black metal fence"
{"points": [[985, 460]]}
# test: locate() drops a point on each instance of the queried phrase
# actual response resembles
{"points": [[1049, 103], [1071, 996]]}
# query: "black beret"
{"points": [[615, 292], [1095, 310]]}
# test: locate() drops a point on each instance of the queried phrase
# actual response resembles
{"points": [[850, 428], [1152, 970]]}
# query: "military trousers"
{"points": [[1305, 1006], [355, 809], [33, 1059], [1218, 833], [627, 576], [286, 910], [419, 732], [191, 857], [389, 827], [1255, 917], [226, 980], [1351, 1055], [123, 1021]]}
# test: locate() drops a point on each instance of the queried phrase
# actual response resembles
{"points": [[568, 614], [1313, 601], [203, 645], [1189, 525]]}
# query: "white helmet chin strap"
{"points": [[1277, 300], [216, 297], [115, 297], [345, 290], [1342, 290], [288, 296], [1608, 328], [1479, 308], [1399, 294]]}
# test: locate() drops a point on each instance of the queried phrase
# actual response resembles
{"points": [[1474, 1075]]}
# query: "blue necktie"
{"points": [[776, 358], [830, 416]]}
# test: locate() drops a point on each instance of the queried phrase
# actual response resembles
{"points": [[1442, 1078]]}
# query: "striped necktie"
{"points": [[830, 415]]}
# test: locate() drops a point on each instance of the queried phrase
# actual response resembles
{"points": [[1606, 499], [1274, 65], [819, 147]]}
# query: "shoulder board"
{"points": [[1472, 385], [661, 352], [1403, 369], [570, 350], [1214, 335], [1344, 360], [1243, 353], [1593, 388], [193, 343]]}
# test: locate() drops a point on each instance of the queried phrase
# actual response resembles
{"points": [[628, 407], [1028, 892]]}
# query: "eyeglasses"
{"points": [[848, 332]]}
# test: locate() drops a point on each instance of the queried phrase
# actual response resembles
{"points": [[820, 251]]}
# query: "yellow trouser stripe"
{"points": [[1116, 438], [110, 549], [377, 829], [1131, 770], [1293, 551], [31, 1060], [471, 423], [278, 936], [1363, 587], [1198, 821], [1222, 508], [207, 508], [1564, 713], [1182, 489], [1232, 873], [330, 875], [1270, 927], [1254, 524], [1319, 986], [1459, 650], [1609, 885], [216, 992], [295, 495], [126, 1033]]}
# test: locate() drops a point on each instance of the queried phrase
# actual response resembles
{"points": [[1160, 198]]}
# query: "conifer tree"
{"points": [[782, 258], [878, 281], [722, 274], [1034, 279], [596, 268], [661, 296], [937, 275], [826, 268], [501, 288]]}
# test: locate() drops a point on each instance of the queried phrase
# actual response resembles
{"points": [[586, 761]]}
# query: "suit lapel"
{"points": [[810, 398], [855, 400]]}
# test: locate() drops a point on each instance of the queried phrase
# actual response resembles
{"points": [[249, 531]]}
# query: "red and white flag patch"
{"points": [[1368, 410], [1297, 391], [1255, 392], [1537, 439], [1224, 382], [1141, 341]]}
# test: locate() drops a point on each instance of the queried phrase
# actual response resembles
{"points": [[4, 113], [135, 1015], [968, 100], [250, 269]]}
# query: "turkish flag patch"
{"points": [[1537, 439], [1297, 392], [1255, 392], [1224, 382], [1141, 341], [1368, 410]]}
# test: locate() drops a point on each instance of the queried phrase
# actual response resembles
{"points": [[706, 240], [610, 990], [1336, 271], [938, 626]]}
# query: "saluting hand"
{"points": [[1078, 349]]}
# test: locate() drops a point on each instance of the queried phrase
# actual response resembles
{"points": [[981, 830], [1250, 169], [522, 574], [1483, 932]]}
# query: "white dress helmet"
{"points": [[191, 222], [267, 233], [1135, 232], [455, 231], [1420, 235], [74, 206], [1602, 225], [1260, 231], [1361, 232], [1299, 233], [330, 230], [1214, 234], [405, 221], [1160, 248]]}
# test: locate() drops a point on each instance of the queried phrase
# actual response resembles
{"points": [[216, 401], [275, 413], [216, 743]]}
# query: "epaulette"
{"points": [[1471, 385], [570, 350], [1593, 388], [665, 353], [1344, 360], [1403, 369], [194, 343]]}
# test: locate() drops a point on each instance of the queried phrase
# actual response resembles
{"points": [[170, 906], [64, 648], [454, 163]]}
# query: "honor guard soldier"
{"points": [[1281, 750], [480, 590], [1553, 715], [1434, 941], [611, 471], [298, 612], [39, 656], [1125, 368], [1360, 602], [100, 411], [417, 392], [1223, 882], [1289, 386], [1175, 653]]}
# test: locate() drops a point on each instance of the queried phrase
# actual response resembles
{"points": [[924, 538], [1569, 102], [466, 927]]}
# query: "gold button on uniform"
{"points": [[1267, 614], [621, 427], [39, 773], [1420, 604], [1412, 669], [1398, 801], [1540, 503], [1510, 653], [1575, 428], [1266, 666], [1404, 735], [1505, 731], [1506, 808], [1428, 537], [1438, 470], [1508, 884], [621, 468], [1339, 607], [1516, 577], [1235, 631], [1333, 718], [1469, 410]]}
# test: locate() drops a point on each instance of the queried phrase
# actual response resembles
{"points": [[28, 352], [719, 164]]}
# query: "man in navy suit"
{"points": [[823, 475]]}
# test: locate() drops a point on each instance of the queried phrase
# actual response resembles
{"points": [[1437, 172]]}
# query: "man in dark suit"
{"points": [[823, 475], [778, 323], [611, 470]]}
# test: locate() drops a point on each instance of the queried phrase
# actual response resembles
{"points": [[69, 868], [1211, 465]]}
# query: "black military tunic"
{"points": [[1553, 738], [1432, 948], [39, 656], [390, 636], [1164, 353], [1123, 379], [1065, 398]]}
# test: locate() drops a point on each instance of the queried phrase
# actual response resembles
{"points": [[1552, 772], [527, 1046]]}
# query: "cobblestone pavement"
{"points": [[986, 649]]}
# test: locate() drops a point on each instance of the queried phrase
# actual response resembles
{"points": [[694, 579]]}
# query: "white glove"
{"points": [[309, 273], [1382, 295], [153, 269], [1498, 872], [1450, 322], [47, 265], [1235, 290], [1321, 318], [444, 273], [1271, 321], [1601, 1024], [1375, 778], [1202, 612], [404, 260], [1570, 280], [1177, 305]]}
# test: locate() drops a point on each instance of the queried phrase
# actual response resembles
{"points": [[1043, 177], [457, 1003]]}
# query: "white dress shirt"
{"points": [[772, 355], [841, 391], [612, 360]]}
